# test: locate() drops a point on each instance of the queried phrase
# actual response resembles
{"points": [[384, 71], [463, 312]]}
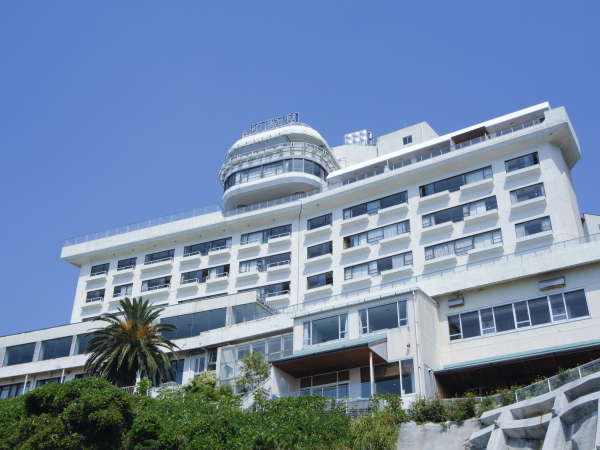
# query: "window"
{"points": [[205, 247], [276, 168], [407, 140], [533, 227], [81, 343], [273, 290], [322, 279], [521, 162], [528, 313], [99, 269], [123, 289], [39, 383], [19, 354], [390, 315], [262, 264], [165, 255], [213, 273], [156, 283], [125, 264], [392, 378], [374, 206], [319, 249], [193, 276], [454, 183], [94, 296], [326, 329], [331, 385], [56, 348], [458, 213], [249, 311], [318, 222], [377, 234], [12, 390], [264, 235], [193, 324], [527, 193], [463, 245], [177, 370], [379, 265]]}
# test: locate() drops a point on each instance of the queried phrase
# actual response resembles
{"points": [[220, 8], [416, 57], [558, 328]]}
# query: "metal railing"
{"points": [[269, 203], [278, 264]]}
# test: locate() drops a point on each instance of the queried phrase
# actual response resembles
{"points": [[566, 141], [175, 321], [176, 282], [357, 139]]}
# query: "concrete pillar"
{"points": [[371, 373]]}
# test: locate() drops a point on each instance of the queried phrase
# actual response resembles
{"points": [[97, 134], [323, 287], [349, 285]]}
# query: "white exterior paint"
{"points": [[505, 272]]}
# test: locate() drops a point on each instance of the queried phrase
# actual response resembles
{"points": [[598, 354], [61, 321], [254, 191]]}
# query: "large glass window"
{"points": [[527, 193], [99, 269], [458, 213], [392, 378], [533, 227], [193, 324], [376, 267], [128, 263], [94, 296], [123, 289], [537, 311], [205, 247], [56, 348], [322, 279], [319, 249], [177, 370], [11, 390], [276, 168], [156, 283], [390, 315], [454, 183], [463, 245], [81, 343], [374, 206], [164, 255], [332, 384], [522, 162], [270, 290], [249, 311], [318, 222], [262, 264], [327, 329], [19, 354], [377, 234], [265, 235], [193, 276]]}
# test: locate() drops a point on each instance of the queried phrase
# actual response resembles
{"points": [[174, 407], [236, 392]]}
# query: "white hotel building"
{"points": [[410, 263]]}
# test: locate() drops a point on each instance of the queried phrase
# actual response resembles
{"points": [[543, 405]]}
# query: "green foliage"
{"points": [[12, 411], [426, 410], [461, 409], [379, 430], [143, 387], [206, 386], [130, 344], [89, 413], [255, 370]]}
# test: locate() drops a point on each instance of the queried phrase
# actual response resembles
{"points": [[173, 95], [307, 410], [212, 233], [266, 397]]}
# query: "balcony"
{"points": [[215, 279], [542, 236], [486, 250], [356, 250], [355, 282], [437, 228], [398, 239], [281, 266], [324, 290], [531, 203], [475, 218], [363, 219], [440, 261], [396, 271], [317, 231], [396, 209], [192, 257], [277, 299], [480, 185], [280, 239], [219, 252], [159, 263], [156, 290], [248, 275], [326, 258], [250, 246], [102, 276], [443, 196], [533, 170]]}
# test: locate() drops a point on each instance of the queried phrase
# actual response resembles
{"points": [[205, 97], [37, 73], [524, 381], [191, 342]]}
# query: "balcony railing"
{"points": [[155, 287]]}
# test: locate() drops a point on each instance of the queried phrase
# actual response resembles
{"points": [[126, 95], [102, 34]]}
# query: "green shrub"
{"points": [[426, 410], [12, 411], [379, 430], [90, 413]]}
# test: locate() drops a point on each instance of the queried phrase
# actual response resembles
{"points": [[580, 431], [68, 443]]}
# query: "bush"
{"points": [[12, 410], [379, 430], [90, 413], [428, 410]]}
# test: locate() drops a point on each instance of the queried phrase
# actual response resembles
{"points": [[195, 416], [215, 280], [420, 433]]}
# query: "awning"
{"points": [[340, 355]]}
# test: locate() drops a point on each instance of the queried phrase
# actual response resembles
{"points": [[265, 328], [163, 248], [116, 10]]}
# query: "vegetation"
{"points": [[254, 371], [131, 345]]}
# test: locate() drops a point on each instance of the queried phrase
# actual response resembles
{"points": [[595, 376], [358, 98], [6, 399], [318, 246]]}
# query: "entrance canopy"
{"points": [[339, 355]]}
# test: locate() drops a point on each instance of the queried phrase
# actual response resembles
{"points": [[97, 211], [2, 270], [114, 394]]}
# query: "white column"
{"points": [[371, 373]]}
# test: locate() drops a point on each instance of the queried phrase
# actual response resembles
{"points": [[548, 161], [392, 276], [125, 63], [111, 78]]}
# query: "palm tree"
{"points": [[131, 345]]}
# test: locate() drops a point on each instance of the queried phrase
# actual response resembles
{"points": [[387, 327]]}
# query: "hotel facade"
{"points": [[411, 263]]}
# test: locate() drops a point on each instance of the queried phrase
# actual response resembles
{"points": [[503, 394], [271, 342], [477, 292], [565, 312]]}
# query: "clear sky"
{"points": [[112, 112]]}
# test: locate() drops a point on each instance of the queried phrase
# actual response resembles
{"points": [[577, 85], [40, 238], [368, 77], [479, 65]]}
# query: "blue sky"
{"points": [[112, 112]]}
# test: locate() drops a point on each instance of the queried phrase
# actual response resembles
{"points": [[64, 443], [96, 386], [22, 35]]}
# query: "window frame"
{"points": [[373, 206], [365, 327]]}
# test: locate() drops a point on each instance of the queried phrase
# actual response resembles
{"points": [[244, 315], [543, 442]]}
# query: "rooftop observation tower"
{"points": [[275, 158]]}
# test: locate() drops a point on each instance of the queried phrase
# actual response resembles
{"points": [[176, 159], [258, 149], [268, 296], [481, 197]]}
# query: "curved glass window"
{"points": [[276, 168]]}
